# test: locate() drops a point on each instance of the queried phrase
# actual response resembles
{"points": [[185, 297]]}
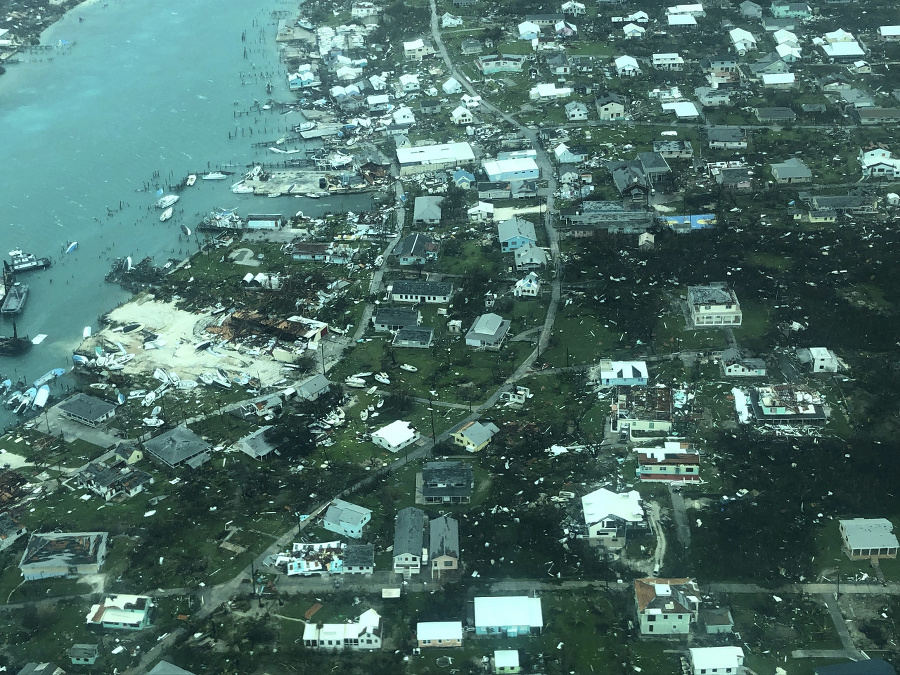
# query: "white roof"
{"points": [[617, 369], [602, 503], [716, 657], [682, 20], [407, 77], [843, 49], [633, 28], [839, 35], [682, 109], [439, 630], [434, 154], [668, 56], [778, 78], [415, 44], [625, 62], [396, 433], [889, 31], [741, 35], [506, 658], [498, 166], [870, 533], [685, 9], [529, 27], [782, 36], [518, 610], [787, 50]]}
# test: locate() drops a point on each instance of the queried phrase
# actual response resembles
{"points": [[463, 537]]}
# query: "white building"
{"points": [[122, 612], [346, 519], [426, 158], [409, 82], [869, 538], [823, 360], [451, 87], [529, 287], [879, 162], [441, 634], [627, 66], [364, 633], [666, 606], [717, 660], [668, 61], [548, 92], [633, 31], [714, 305], [396, 436], [576, 111], [608, 516], [461, 115], [509, 616], [521, 168], [742, 40]]}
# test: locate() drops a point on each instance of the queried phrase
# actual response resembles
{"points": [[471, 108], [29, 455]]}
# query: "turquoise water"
{"points": [[145, 94]]}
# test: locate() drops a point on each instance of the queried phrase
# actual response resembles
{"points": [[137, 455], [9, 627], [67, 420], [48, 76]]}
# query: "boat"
{"points": [[362, 375], [311, 195], [14, 346], [49, 376], [186, 384], [72, 245], [27, 399], [161, 375], [120, 398], [167, 201], [41, 398], [22, 406], [191, 179], [128, 265], [14, 302], [355, 382], [14, 400], [131, 327], [148, 400], [5, 386], [241, 188], [165, 215], [351, 142], [206, 344], [214, 175], [364, 414], [153, 421], [306, 126], [156, 410], [173, 377], [25, 262], [380, 403], [186, 230], [86, 333], [80, 360], [206, 378], [408, 368], [372, 390], [383, 378]]}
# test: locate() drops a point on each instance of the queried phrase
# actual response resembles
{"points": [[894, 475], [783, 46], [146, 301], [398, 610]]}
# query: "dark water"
{"points": [[142, 95]]}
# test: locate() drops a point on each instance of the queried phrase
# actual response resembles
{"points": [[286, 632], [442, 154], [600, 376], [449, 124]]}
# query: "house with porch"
{"points": [[675, 462], [363, 634], [411, 541], [446, 482], [868, 538], [666, 606], [508, 616], [488, 332], [443, 547], [609, 516]]}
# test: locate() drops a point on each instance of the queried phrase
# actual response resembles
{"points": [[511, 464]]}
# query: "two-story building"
{"points": [[447, 482], [714, 305], [675, 462], [474, 436], [609, 516], [666, 606]]}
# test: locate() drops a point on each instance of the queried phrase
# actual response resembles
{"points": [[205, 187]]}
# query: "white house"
{"points": [[409, 82], [742, 40], [529, 258], [520, 168], [627, 66], [717, 660], [574, 8], [461, 115], [576, 111], [529, 30], [488, 332], [879, 162], [439, 634], [869, 538], [668, 61], [404, 116], [627, 373], [608, 516], [396, 436], [509, 616], [362, 634], [481, 212], [666, 606], [121, 612], [529, 287], [548, 92], [823, 360], [416, 50], [675, 462], [451, 87], [633, 31], [506, 661], [450, 21], [714, 305], [346, 519]]}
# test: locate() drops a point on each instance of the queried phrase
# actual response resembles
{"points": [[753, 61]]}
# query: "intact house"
{"points": [[610, 373], [508, 616], [727, 138], [432, 292], [500, 63], [735, 364], [514, 233], [517, 168], [675, 462], [87, 410], [10, 530], [474, 436], [117, 481], [427, 211], [610, 107], [791, 170], [527, 287], [716, 620], [879, 162], [416, 50], [576, 111], [529, 258], [417, 249], [443, 547], [506, 661], [668, 61], [178, 446], [346, 519], [446, 482], [716, 660], [488, 332], [390, 319], [121, 612], [83, 654], [868, 538], [820, 359], [63, 554], [609, 516], [428, 158], [666, 606], [395, 436], [410, 550], [714, 305], [627, 66], [362, 634], [440, 634], [461, 115], [776, 115], [416, 337]]}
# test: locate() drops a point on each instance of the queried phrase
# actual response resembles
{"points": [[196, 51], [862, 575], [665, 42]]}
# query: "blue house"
{"points": [[627, 373], [515, 233], [463, 179], [509, 616]]}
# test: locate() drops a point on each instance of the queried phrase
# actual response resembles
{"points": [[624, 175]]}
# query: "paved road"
{"points": [[841, 627], [679, 513]]}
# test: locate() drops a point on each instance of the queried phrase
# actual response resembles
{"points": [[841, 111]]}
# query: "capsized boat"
{"points": [[72, 246], [165, 215], [153, 421], [167, 201], [49, 376], [41, 398], [191, 179], [355, 382], [408, 368]]}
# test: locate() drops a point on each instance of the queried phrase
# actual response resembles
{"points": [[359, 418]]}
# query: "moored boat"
{"points": [[167, 201], [41, 398], [49, 376], [14, 302], [214, 175], [25, 262]]}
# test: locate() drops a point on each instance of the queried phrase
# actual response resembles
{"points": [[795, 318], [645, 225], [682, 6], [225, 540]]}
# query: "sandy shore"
{"points": [[181, 331]]}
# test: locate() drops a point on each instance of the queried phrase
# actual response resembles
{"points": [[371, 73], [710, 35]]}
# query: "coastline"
{"points": [[30, 35]]}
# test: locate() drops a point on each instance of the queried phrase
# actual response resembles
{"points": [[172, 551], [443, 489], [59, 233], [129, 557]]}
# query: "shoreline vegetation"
{"points": [[26, 21]]}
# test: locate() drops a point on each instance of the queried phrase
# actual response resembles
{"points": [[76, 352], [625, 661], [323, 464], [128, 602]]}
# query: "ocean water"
{"points": [[133, 97]]}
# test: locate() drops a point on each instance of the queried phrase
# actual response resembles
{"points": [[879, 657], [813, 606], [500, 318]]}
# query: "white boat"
{"points": [[408, 368], [5, 386], [362, 376], [80, 360], [120, 398], [153, 422], [161, 375], [191, 179], [186, 230], [380, 403], [206, 378], [14, 400], [364, 414], [351, 142], [383, 378], [40, 400], [355, 382], [99, 385], [306, 126], [241, 188], [372, 390], [165, 215], [214, 175], [173, 377], [148, 400], [137, 393], [86, 333], [49, 377], [166, 202], [156, 410], [186, 384]]}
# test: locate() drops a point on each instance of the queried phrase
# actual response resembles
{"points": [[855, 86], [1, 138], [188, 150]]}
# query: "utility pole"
{"points": [[322, 345]]}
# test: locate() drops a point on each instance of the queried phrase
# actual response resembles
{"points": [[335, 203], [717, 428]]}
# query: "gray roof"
{"points": [[396, 316], [726, 134], [311, 388], [340, 511], [489, 325], [416, 244], [359, 555], [8, 525], [869, 533], [176, 446], [256, 443], [412, 287], [478, 433], [86, 407], [791, 168], [409, 531], [713, 294], [515, 227], [610, 98], [427, 208], [54, 549], [864, 667], [653, 162], [414, 334], [166, 668], [530, 255], [628, 174], [41, 669], [443, 537], [448, 473], [775, 114]]}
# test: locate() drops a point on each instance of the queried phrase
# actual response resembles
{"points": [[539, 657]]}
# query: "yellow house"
{"points": [[474, 436]]}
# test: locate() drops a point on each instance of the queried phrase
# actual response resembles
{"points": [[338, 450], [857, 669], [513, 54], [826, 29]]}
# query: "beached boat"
{"points": [[191, 179], [5, 386], [241, 188], [306, 126], [186, 384], [165, 215], [408, 368], [148, 400], [382, 378], [372, 390], [355, 382], [214, 175], [86, 333], [131, 327], [206, 344], [41, 398], [161, 375], [362, 376], [153, 422], [49, 376], [14, 302], [25, 262], [380, 403], [364, 414], [156, 410], [167, 201], [80, 360]]}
